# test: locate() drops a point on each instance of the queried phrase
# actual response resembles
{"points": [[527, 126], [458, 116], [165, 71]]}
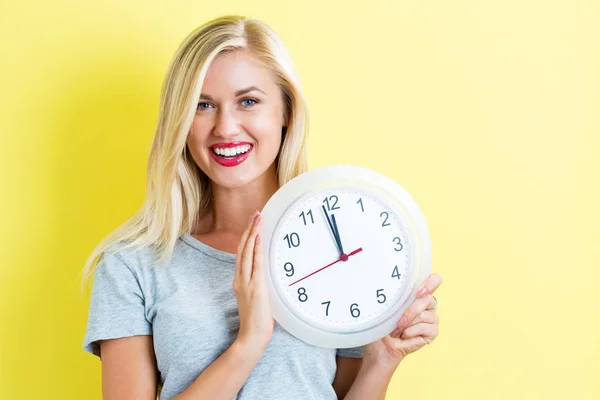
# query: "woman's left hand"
{"points": [[417, 327]]}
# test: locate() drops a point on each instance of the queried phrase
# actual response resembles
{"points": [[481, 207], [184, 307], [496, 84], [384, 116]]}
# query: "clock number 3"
{"points": [[398, 243]]}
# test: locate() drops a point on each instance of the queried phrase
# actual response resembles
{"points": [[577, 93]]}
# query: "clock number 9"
{"points": [[334, 200], [302, 296], [397, 241], [354, 310], [292, 240], [289, 271]]}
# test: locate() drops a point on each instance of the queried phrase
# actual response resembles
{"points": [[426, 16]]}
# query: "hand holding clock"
{"points": [[417, 327], [250, 287]]}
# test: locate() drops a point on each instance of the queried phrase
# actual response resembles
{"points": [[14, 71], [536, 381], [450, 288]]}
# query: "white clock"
{"points": [[346, 250]]}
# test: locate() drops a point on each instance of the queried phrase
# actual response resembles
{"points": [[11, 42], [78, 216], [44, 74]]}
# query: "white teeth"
{"points": [[231, 151]]}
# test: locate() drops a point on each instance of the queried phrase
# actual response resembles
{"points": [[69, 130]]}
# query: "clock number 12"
{"points": [[334, 200]]}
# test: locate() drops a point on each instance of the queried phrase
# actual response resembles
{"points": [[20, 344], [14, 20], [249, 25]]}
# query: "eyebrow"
{"points": [[238, 93]]}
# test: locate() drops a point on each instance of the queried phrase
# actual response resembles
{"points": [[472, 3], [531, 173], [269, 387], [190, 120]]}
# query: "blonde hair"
{"points": [[177, 191]]}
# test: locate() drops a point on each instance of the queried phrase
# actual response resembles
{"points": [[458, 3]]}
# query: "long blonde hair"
{"points": [[177, 191]]}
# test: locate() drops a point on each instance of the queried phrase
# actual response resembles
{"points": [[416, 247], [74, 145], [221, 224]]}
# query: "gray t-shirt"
{"points": [[188, 306]]}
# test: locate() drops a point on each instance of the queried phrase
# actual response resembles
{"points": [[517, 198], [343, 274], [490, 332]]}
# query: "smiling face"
{"points": [[236, 132]]}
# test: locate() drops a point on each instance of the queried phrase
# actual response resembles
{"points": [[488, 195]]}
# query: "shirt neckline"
{"points": [[206, 249]]}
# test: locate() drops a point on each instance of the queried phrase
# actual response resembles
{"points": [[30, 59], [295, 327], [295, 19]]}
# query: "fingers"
{"points": [[257, 270], [430, 285], [245, 249], [429, 317], [426, 330], [418, 306], [244, 238], [417, 312], [248, 252]]}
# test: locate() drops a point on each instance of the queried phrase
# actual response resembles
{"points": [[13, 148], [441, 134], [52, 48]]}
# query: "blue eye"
{"points": [[244, 102], [202, 105]]}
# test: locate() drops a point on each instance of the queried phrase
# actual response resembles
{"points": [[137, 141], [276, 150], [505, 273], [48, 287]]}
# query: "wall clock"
{"points": [[346, 249]]}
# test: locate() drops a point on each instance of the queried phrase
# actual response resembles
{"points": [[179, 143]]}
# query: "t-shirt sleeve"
{"points": [[352, 352], [117, 306]]}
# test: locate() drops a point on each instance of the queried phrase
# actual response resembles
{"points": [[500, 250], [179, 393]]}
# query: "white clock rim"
{"points": [[303, 183]]}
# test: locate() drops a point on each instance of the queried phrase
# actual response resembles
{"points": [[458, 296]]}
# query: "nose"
{"points": [[226, 124]]}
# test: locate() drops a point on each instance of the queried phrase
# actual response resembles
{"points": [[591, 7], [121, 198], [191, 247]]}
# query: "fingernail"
{"points": [[422, 292], [403, 321]]}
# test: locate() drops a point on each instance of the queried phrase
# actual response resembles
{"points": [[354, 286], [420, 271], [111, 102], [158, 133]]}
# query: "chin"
{"points": [[232, 178]]}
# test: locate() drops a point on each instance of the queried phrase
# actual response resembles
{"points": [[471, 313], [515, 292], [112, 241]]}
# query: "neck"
{"points": [[232, 207]]}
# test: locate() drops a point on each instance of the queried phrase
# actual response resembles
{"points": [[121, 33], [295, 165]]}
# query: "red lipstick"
{"points": [[230, 161]]}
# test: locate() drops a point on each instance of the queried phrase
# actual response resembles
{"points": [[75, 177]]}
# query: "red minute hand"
{"points": [[329, 265]]}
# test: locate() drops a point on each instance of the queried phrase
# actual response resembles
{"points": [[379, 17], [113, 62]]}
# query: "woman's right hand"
{"points": [[250, 288]]}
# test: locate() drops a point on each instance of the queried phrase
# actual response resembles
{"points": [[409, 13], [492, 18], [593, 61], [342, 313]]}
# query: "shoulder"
{"points": [[135, 258]]}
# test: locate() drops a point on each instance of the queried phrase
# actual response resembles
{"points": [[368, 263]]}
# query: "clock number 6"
{"points": [[302, 296], [397, 241], [354, 310]]}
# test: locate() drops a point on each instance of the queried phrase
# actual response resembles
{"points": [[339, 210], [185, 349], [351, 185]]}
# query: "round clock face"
{"points": [[346, 250], [326, 289]]}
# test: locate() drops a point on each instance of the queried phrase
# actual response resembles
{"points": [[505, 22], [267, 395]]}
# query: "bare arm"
{"points": [[224, 378], [345, 374], [355, 379], [128, 368], [371, 382], [129, 371]]}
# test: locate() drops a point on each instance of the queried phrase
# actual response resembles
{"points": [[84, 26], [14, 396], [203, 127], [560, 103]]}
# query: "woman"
{"points": [[163, 315]]}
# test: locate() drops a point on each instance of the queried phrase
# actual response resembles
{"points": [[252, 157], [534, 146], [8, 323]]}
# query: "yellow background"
{"points": [[487, 112]]}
